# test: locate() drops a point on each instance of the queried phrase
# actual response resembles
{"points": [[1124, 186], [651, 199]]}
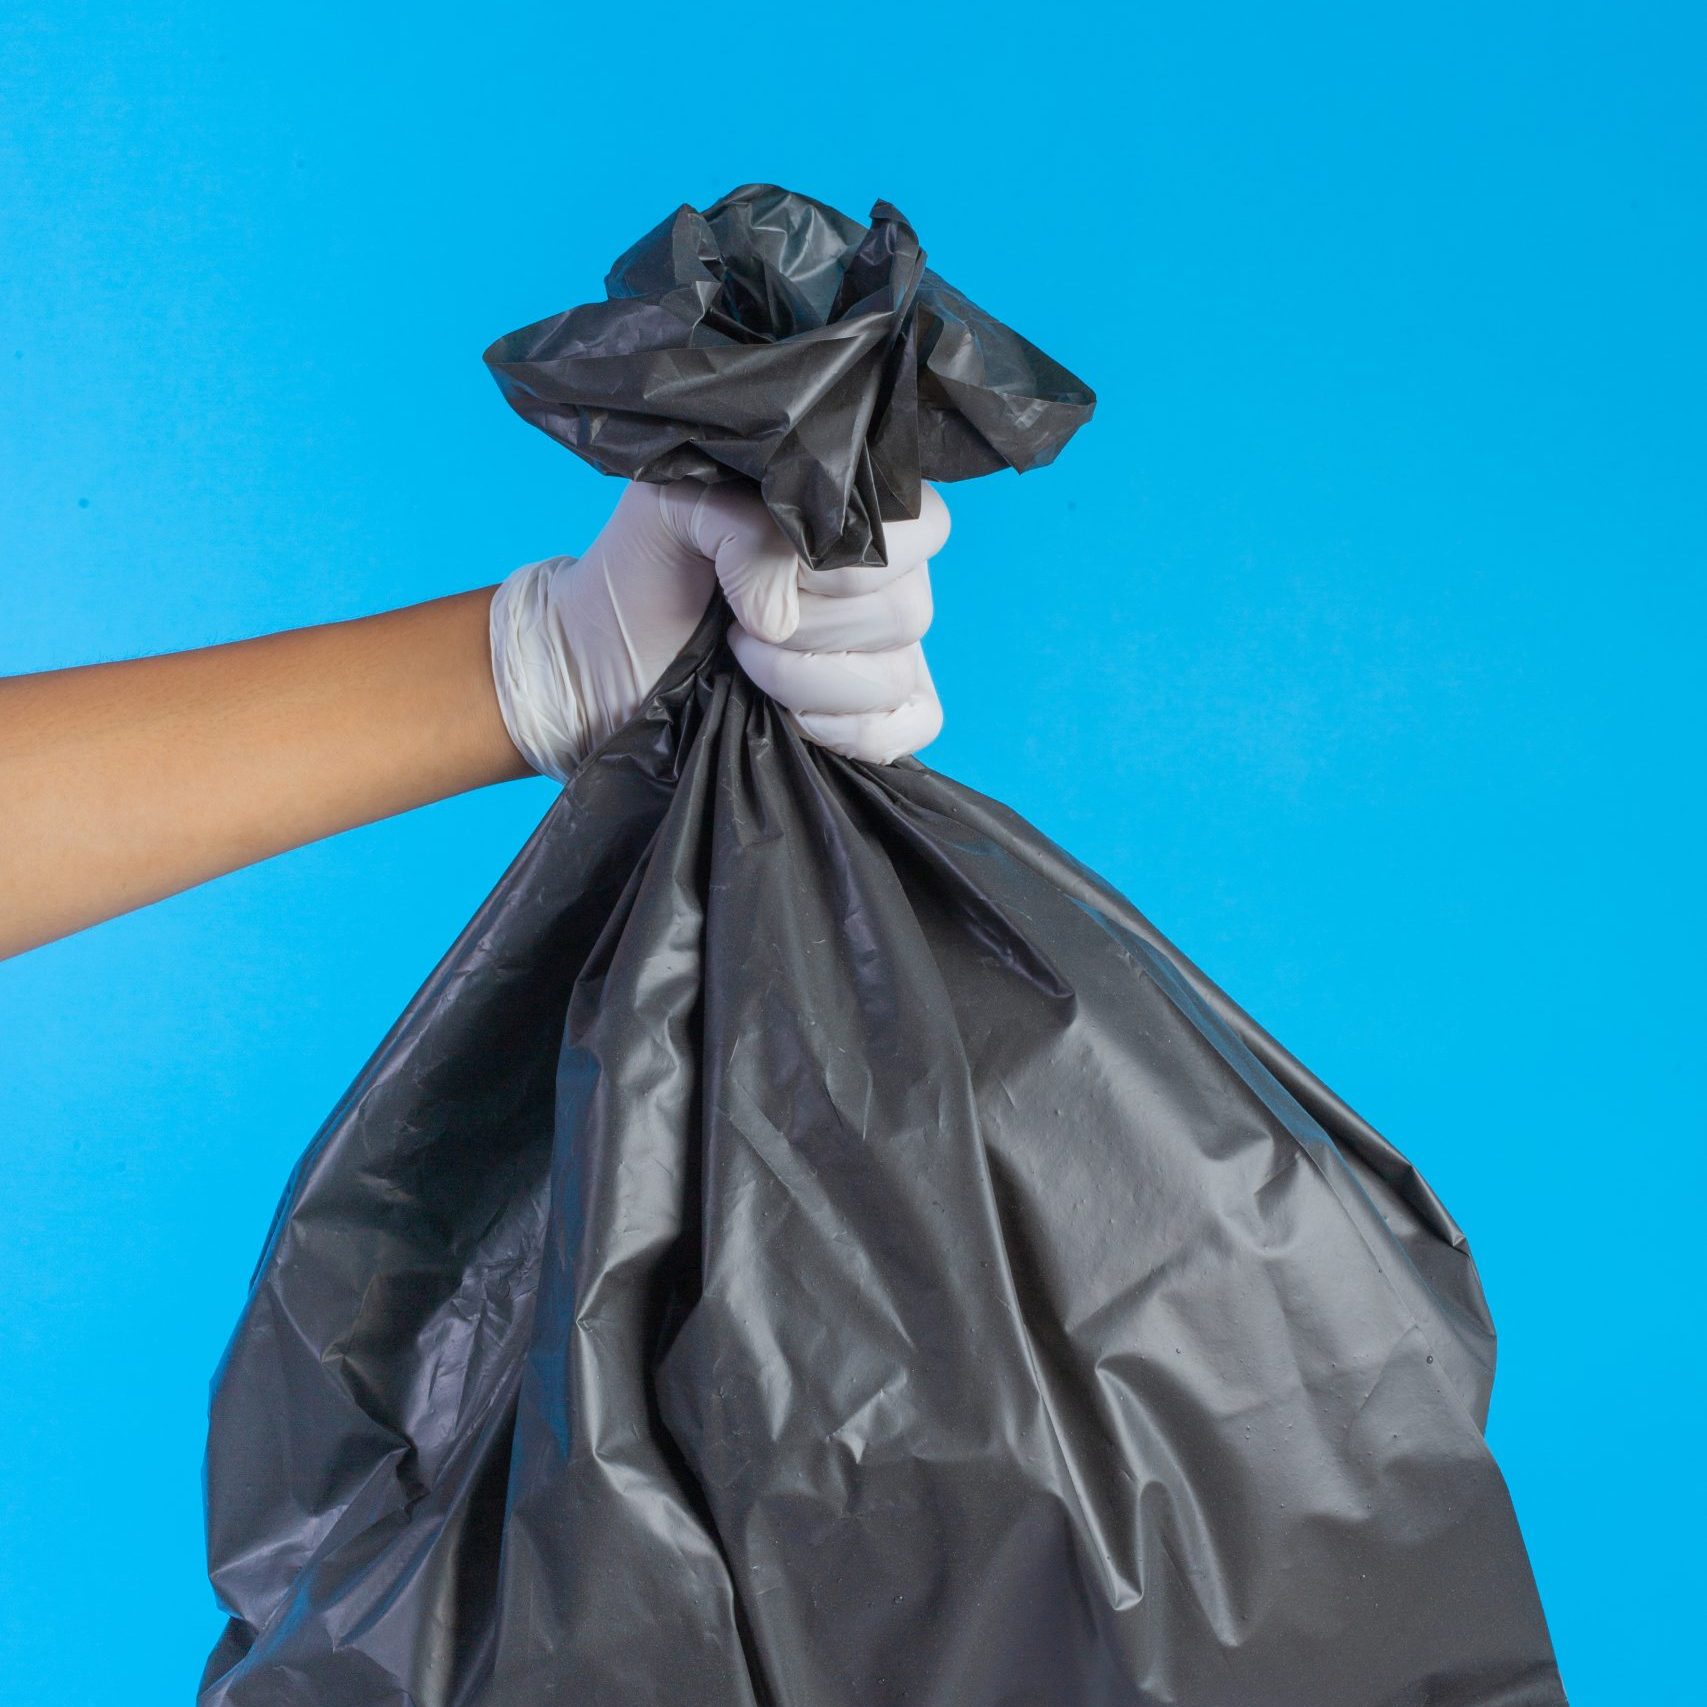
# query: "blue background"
{"points": [[1354, 639]]}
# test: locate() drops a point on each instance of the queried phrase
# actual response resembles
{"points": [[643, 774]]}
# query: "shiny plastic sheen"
{"points": [[773, 339], [812, 1244]]}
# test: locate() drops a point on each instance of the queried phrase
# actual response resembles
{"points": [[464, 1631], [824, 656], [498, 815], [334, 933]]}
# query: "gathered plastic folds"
{"points": [[811, 1243]]}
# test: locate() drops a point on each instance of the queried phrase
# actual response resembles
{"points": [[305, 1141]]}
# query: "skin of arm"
{"points": [[126, 782]]}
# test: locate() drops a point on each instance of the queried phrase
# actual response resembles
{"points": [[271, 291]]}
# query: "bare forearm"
{"points": [[122, 783]]}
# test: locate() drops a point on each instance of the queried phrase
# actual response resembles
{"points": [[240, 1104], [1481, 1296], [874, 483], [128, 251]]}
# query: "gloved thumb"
{"points": [[756, 566]]}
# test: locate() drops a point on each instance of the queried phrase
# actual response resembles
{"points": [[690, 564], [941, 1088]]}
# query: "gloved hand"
{"points": [[577, 644]]}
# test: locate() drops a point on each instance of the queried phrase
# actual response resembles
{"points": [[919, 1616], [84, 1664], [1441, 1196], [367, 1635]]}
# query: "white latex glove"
{"points": [[577, 644]]}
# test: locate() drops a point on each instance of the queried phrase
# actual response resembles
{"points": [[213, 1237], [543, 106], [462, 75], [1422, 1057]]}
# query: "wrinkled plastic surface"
{"points": [[774, 339], [812, 1244]]}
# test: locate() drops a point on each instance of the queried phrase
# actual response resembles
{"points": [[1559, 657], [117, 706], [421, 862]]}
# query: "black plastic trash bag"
{"points": [[771, 338], [811, 1243]]}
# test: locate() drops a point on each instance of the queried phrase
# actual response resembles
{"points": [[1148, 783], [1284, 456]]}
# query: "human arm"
{"points": [[126, 782], [123, 783]]}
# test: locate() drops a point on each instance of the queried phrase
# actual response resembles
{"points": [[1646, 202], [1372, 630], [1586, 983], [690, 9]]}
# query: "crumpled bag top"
{"points": [[772, 338]]}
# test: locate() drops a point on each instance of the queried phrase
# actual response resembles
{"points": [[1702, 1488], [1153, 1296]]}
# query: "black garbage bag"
{"points": [[811, 1243]]}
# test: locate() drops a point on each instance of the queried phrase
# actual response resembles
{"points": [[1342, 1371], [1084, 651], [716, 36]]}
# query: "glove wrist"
{"points": [[533, 671]]}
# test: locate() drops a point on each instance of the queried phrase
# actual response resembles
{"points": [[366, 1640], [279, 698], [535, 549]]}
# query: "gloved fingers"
{"points": [[894, 615], [829, 681], [921, 538], [878, 737], [907, 545], [854, 581], [756, 566]]}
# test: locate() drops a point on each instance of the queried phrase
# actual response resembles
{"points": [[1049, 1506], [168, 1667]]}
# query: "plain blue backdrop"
{"points": [[1355, 639]]}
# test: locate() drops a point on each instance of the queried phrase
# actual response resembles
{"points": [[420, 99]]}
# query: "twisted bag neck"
{"points": [[772, 339]]}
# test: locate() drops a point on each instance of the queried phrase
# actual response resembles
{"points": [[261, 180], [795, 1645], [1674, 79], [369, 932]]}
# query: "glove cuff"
{"points": [[534, 673]]}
